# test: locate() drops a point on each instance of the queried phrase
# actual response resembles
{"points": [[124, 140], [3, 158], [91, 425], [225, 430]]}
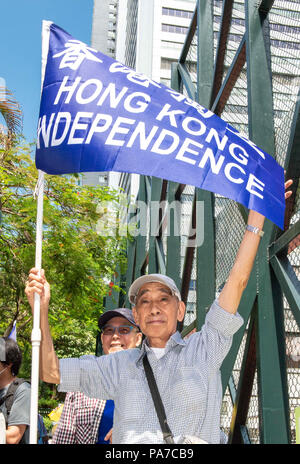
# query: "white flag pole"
{"points": [[36, 332]]}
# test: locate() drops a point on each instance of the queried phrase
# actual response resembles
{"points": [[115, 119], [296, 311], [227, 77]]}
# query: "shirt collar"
{"points": [[174, 340]]}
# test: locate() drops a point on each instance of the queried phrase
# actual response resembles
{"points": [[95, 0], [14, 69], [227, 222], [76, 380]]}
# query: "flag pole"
{"points": [[36, 331]]}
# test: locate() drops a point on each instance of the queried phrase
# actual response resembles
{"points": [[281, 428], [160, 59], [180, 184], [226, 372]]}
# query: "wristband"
{"points": [[255, 230]]}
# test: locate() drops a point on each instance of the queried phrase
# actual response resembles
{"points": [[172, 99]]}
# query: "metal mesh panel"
{"points": [[253, 415], [191, 59], [226, 412], [237, 28], [228, 238], [293, 367], [187, 198], [236, 110], [292, 342], [238, 362], [285, 59], [164, 237]]}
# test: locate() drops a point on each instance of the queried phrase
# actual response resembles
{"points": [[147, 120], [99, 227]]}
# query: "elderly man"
{"points": [[187, 372]]}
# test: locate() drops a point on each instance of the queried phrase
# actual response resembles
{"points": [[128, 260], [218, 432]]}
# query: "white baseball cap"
{"points": [[163, 279]]}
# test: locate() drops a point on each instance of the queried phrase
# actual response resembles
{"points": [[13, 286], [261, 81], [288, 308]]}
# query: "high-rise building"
{"points": [[104, 26], [146, 36], [104, 33], [154, 36]]}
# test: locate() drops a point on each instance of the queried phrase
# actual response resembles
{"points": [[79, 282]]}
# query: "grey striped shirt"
{"points": [[187, 375]]}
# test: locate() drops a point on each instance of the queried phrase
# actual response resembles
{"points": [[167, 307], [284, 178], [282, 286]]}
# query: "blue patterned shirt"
{"points": [[187, 375]]}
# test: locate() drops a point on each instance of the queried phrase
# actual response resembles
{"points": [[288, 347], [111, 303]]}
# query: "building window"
{"points": [[281, 44], [177, 13], [273, 26], [174, 29], [165, 63]]}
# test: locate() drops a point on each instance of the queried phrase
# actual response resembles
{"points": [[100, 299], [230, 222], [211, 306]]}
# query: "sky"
{"points": [[20, 47]]}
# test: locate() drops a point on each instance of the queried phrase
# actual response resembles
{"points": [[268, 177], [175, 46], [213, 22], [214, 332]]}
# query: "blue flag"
{"points": [[98, 115]]}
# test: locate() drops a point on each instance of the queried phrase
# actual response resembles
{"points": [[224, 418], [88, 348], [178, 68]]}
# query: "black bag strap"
{"points": [[159, 407]]}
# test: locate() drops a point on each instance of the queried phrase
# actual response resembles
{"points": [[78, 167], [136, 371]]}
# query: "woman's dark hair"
{"points": [[13, 355]]}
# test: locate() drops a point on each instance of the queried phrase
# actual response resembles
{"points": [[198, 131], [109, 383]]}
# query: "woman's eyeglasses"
{"points": [[122, 330]]}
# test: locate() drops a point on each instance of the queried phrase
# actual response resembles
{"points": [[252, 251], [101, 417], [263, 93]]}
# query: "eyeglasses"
{"points": [[110, 330]]}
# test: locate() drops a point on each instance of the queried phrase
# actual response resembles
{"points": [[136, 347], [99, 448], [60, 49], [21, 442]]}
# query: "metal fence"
{"points": [[242, 61]]}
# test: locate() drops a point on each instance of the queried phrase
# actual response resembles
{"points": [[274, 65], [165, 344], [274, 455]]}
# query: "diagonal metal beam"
{"points": [[265, 6], [289, 283], [173, 258], [260, 96], [205, 254], [160, 257], [189, 37], [274, 427], [131, 268], [141, 237], [244, 390], [205, 55], [156, 187], [245, 309], [233, 73], [281, 344], [189, 258], [282, 243], [186, 330], [187, 81], [221, 48]]}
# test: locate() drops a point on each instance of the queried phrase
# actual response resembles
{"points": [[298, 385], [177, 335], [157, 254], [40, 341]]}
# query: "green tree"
{"points": [[11, 113], [79, 262]]}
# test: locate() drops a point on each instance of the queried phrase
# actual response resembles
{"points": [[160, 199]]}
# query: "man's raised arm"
{"points": [[232, 291], [49, 364]]}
